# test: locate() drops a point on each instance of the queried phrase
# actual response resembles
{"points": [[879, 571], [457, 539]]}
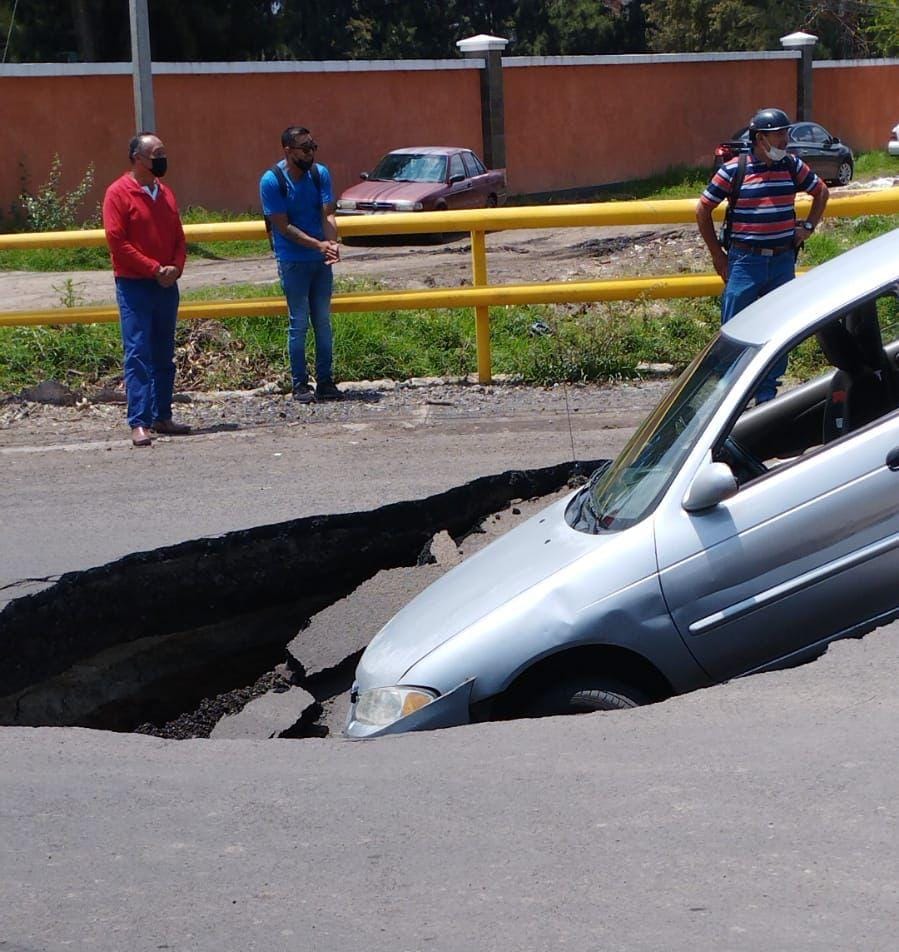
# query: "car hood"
{"points": [[371, 191], [514, 563]]}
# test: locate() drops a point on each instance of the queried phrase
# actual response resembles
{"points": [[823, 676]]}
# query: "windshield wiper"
{"points": [[588, 495]]}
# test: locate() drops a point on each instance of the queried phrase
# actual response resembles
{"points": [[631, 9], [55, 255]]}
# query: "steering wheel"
{"points": [[741, 461]]}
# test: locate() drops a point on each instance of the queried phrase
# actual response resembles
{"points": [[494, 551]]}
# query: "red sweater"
{"points": [[143, 234]]}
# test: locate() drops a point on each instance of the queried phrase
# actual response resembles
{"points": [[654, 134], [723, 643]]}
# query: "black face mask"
{"points": [[302, 164], [159, 165]]}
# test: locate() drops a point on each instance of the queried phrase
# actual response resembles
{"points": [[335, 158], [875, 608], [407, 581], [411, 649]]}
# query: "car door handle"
{"points": [[893, 459]]}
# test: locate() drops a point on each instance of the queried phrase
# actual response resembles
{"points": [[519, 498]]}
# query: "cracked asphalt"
{"points": [[754, 815]]}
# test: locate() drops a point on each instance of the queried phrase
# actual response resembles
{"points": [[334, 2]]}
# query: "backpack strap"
{"points": [[283, 188], [735, 186], [282, 179]]}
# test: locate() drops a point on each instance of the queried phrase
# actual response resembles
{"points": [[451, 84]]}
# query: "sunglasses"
{"points": [[306, 147]]}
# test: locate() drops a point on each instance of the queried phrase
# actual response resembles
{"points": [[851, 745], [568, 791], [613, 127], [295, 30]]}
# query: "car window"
{"points": [[819, 133], [838, 380], [478, 165], [802, 132], [471, 165], [410, 167], [456, 167], [630, 488]]}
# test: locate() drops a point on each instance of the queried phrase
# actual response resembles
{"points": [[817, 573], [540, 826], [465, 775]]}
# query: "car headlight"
{"points": [[382, 706], [406, 206], [345, 204]]}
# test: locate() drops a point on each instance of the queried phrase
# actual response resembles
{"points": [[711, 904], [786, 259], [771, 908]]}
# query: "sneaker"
{"points": [[302, 393], [327, 390]]}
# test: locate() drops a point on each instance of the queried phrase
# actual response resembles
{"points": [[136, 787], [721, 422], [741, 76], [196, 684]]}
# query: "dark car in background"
{"points": [[830, 158], [429, 178]]}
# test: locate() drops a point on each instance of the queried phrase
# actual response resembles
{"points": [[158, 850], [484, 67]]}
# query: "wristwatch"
{"points": [[808, 226]]}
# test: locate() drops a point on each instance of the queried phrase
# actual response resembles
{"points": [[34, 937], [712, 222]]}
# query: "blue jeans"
{"points": [[307, 287], [148, 313], [750, 277]]}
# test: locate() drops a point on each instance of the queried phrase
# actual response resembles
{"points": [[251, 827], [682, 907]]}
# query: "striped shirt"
{"points": [[764, 215]]}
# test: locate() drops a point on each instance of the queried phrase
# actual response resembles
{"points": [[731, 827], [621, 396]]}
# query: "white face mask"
{"points": [[775, 154]]}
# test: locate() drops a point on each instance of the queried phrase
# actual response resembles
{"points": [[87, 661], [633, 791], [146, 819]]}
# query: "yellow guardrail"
{"points": [[481, 295]]}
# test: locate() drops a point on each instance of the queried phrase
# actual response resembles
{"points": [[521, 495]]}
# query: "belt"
{"points": [[755, 250]]}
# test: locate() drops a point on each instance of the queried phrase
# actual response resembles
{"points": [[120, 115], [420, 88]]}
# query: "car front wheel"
{"points": [[844, 173], [583, 695]]}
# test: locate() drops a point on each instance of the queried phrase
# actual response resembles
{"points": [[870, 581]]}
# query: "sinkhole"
{"points": [[178, 640]]}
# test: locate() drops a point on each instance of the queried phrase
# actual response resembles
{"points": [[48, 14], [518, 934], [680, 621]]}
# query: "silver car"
{"points": [[727, 538]]}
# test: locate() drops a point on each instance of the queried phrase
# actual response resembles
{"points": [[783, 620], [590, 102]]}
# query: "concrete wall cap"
{"points": [[481, 43], [799, 38]]}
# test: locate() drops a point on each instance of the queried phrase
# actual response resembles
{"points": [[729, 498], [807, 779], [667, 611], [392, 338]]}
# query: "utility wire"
{"points": [[12, 19]]}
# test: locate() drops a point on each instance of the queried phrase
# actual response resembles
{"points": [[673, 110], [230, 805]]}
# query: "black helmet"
{"points": [[768, 120]]}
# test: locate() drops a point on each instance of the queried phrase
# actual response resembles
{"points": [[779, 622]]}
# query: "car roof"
{"points": [[429, 150], [795, 308], [743, 133]]}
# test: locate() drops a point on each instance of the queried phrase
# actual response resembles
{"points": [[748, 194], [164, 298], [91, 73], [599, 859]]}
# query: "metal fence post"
{"points": [[481, 311]]}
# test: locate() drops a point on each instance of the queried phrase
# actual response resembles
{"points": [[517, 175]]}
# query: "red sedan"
{"points": [[425, 179]]}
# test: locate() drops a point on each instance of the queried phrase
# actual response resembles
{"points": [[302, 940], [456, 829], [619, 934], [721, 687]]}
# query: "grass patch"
{"points": [[541, 344], [222, 250]]}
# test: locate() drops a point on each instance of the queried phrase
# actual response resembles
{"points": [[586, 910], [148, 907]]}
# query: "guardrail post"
{"points": [[481, 311]]}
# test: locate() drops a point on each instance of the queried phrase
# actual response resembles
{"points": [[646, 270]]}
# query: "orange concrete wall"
{"points": [[223, 130], [567, 126], [860, 104], [575, 126]]}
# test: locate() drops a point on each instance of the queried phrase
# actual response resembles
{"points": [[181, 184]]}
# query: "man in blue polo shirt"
{"points": [[765, 233], [299, 203]]}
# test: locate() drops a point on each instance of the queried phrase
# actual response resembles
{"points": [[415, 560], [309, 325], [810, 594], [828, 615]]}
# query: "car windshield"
{"points": [[410, 167], [629, 489]]}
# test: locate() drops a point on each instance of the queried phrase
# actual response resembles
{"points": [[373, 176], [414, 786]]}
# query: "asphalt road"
{"points": [[755, 815], [76, 494]]}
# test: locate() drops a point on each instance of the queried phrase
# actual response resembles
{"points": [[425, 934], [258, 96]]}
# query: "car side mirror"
{"points": [[712, 484], [456, 178], [834, 140], [363, 175]]}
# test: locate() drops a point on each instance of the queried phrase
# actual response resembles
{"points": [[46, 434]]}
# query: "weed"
{"points": [[71, 293], [51, 209]]}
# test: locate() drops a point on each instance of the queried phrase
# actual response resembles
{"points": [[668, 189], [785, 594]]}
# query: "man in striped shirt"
{"points": [[765, 234]]}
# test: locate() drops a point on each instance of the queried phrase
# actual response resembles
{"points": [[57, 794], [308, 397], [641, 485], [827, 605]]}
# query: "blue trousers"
{"points": [[147, 315], [307, 287], [750, 277]]}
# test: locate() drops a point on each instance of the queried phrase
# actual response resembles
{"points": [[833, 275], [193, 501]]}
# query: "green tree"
{"points": [[883, 27], [845, 28]]}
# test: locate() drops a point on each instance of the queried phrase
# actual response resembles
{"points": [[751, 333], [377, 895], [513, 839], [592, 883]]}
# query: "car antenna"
{"points": [[570, 430], [540, 329]]}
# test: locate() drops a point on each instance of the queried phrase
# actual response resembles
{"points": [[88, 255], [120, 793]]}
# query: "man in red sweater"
{"points": [[146, 242]]}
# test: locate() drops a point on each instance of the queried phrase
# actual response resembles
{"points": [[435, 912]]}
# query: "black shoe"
{"points": [[327, 390], [302, 393]]}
